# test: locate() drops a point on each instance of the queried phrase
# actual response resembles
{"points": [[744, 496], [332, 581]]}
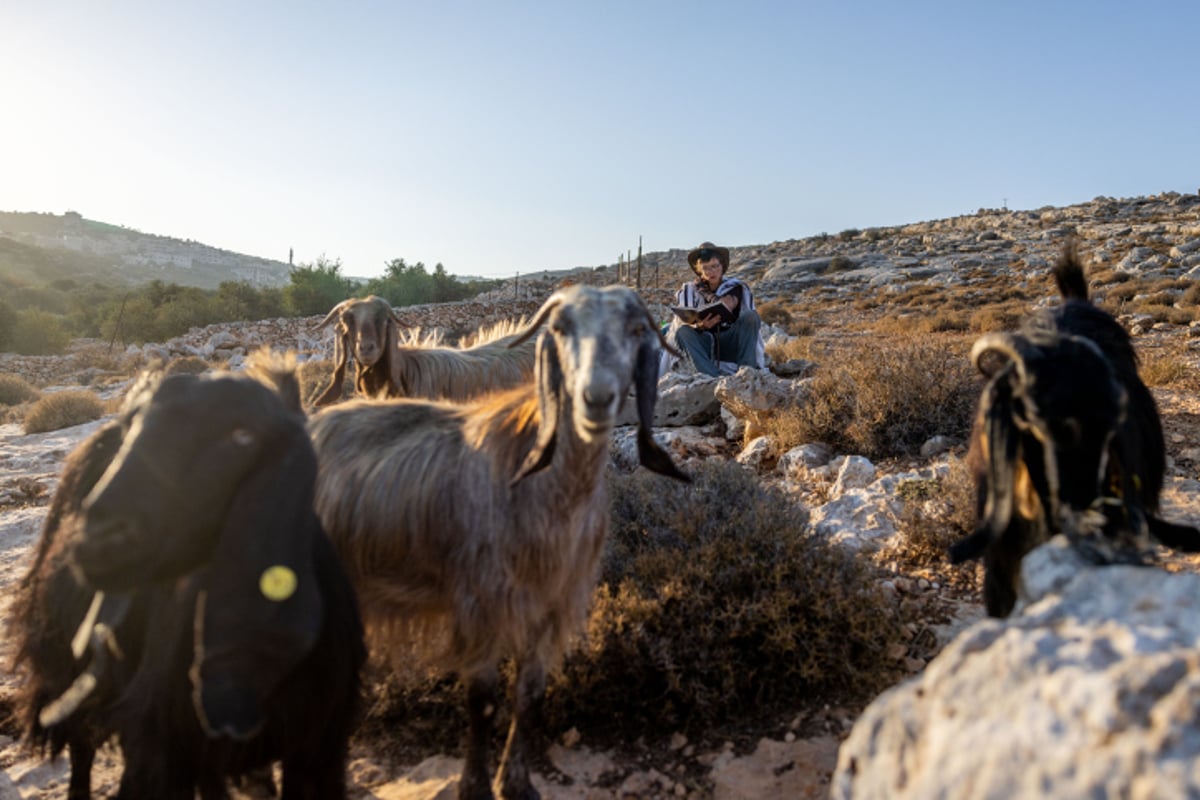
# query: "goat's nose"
{"points": [[597, 397]]}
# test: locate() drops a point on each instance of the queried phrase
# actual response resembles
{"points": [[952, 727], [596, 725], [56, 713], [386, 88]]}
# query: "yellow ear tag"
{"points": [[277, 583]]}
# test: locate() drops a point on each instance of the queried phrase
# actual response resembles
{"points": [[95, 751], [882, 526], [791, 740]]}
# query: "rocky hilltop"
{"points": [[86, 249]]}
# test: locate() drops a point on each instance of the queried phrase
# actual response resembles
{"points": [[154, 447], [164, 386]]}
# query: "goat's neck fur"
{"points": [[506, 425], [375, 380]]}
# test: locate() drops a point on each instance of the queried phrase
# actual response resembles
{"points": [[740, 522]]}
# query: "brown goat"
{"points": [[387, 365], [476, 530]]}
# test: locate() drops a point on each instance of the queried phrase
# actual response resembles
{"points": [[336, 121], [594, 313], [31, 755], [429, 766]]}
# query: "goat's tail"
{"points": [[1069, 275]]}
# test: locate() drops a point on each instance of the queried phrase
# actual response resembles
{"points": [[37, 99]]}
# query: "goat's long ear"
{"points": [[333, 392], [261, 608], [554, 302], [645, 382], [550, 381], [662, 340], [1000, 439]]}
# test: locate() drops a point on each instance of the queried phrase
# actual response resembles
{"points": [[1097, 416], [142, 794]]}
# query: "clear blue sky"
{"points": [[498, 137]]}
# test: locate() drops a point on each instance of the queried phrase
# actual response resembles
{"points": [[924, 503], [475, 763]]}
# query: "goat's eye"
{"points": [[242, 437]]}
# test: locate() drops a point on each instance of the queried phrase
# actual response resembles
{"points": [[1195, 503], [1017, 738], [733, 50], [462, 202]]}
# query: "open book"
{"points": [[690, 316]]}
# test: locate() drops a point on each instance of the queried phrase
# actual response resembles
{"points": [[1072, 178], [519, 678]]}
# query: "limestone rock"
{"points": [[1090, 692], [805, 455]]}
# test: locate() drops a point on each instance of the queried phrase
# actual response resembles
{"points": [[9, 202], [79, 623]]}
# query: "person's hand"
{"points": [[709, 322]]}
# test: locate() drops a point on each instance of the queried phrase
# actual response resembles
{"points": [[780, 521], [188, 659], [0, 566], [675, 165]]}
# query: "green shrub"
{"points": [[14, 390], [39, 333], [717, 599], [41, 297], [63, 410], [8, 322]]}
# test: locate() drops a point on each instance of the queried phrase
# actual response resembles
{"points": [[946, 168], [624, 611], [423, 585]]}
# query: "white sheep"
{"points": [[389, 364], [475, 531]]}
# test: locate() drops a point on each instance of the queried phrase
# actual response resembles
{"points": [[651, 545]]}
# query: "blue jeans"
{"points": [[738, 344]]}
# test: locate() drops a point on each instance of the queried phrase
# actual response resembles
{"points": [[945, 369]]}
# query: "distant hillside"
{"points": [[38, 249]]}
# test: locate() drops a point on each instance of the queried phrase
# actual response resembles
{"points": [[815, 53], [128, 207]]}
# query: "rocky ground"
{"points": [[791, 753]]}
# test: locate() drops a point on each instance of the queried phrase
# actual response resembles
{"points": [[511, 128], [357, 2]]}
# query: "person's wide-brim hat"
{"points": [[721, 253]]}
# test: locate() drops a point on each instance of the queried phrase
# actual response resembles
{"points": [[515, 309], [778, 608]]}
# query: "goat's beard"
{"points": [[591, 431]]}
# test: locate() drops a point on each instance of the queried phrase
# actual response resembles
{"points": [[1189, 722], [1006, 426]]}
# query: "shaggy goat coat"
{"points": [[1067, 440], [226, 634], [475, 532], [388, 363]]}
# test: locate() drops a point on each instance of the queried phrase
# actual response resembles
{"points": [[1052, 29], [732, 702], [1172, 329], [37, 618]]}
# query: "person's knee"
{"points": [[687, 336]]}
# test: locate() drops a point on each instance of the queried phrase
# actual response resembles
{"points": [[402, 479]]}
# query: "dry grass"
{"points": [[63, 410], [15, 390], [884, 398], [936, 513], [98, 356], [314, 376], [187, 365], [1169, 366]]}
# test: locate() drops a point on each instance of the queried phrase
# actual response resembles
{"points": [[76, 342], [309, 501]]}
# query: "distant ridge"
{"points": [[40, 248]]}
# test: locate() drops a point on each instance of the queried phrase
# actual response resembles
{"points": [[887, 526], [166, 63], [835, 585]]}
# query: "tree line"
{"points": [[41, 320]]}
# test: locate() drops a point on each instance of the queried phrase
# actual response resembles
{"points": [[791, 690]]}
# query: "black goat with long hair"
{"points": [[1067, 439], [185, 598]]}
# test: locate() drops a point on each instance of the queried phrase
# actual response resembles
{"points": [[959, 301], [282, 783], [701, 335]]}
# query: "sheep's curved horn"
{"points": [[554, 302], [333, 313]]}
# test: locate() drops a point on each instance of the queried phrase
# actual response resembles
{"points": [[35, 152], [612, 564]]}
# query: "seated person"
{"points": [[715, 346]]}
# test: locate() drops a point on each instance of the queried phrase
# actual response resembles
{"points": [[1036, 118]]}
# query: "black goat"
{"points": [[222, 633], [1067, 439]]}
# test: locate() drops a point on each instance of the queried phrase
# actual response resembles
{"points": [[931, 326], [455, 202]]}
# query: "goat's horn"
{"points": [[332, 314], [554, 302], [1011, 347]]}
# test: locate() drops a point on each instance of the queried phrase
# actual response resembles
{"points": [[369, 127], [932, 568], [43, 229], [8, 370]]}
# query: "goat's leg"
{"points": [[513, 777], [481, 710], [82, 753]]}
